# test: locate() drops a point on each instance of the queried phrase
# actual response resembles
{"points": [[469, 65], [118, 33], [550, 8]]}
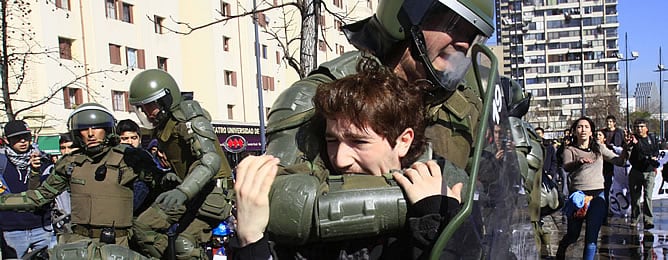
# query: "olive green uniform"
{"points": [[101, 197], [191, 146]]}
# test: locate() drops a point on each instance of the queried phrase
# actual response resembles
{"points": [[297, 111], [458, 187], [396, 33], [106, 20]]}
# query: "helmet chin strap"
{"points": [[438, 92], [419, 53]]}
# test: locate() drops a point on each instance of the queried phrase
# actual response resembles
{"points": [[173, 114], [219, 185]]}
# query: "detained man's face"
{"points": [[360, 151], [92, 136], [130, 138]]}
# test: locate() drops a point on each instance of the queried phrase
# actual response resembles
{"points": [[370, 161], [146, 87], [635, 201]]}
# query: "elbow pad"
{"points": [[301, 214], [200, 175]]}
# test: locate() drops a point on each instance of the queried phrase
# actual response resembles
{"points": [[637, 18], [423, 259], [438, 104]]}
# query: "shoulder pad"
{"points": [[342, 66], [188, 109], [294, 106], [202, 127], [116, 154]]}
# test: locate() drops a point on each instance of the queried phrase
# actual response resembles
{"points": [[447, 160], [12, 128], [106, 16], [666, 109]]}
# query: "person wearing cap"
{"points": [[100, 177], [23, 169]]}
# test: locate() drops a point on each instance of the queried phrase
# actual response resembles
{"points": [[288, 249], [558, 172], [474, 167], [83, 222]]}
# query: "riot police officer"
{"points": [[100, 178], [184, 132], [426, 41]]}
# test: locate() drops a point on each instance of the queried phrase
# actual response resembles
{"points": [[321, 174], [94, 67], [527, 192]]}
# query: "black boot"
{"points": [[561, 252]]}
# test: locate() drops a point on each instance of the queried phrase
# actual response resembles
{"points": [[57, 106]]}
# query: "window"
{"points": [[65, 48], [162, 63], [230, 78], [278, 57], [115, 54], [268, 83], [72, 97], [119, 100], [110, 5], [321, 45], [135, 58], [226, 43], [337, 25], [63, 4], [225, 9], [262, 19], [321, 20], [157, 23], [264, 51], [230, 111], [131, 56], [126, 14]]}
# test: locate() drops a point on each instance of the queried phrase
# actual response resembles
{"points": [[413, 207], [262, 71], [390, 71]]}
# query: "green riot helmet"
{"points": [[516, 99], [396, 20], [157, 91], [91, 115]]}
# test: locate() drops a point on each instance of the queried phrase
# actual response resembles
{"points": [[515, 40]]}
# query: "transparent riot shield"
{"points": [[499, 204]]}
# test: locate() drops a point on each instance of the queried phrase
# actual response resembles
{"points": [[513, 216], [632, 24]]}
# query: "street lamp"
{"points": [[620, 57], [660, 70]]}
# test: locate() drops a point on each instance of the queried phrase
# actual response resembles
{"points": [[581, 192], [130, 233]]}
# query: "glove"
{"points": [[171, 177], [171, 198]]}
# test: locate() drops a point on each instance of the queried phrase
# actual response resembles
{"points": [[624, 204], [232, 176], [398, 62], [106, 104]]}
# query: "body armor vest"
{"points": [[99, 195], [171, 144]]}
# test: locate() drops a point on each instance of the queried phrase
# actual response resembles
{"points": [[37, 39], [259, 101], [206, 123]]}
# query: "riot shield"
{"points": [[499, 204]]}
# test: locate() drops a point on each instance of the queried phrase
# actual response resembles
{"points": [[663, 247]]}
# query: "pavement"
{"points": [[619, 239]]}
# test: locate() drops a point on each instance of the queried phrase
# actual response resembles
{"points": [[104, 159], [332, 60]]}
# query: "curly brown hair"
{"points": [[377, 98]]}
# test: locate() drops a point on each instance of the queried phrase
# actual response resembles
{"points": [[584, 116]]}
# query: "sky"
{"points": [[647, 27]]}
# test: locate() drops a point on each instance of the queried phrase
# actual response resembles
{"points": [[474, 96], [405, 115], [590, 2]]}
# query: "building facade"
{"points": [[560, 51], [646, 95], [89, 51]]}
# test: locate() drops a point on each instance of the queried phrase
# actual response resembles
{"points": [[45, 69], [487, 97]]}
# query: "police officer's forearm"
{"points": [[201, 174], [17, 202]]}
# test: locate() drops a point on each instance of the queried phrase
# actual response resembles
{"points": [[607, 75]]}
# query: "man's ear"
{"points": [[404, 141]]}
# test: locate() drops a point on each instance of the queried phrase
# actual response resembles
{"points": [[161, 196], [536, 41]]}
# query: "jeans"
{"points": [[637, 182], [596, 214], [36, 239]]}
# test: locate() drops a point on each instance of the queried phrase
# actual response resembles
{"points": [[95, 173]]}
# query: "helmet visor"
{"points": [[143, 118], [444, 19]]}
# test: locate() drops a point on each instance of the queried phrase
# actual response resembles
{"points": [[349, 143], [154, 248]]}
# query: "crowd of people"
{"points": [[585, 164], [369, 157]]}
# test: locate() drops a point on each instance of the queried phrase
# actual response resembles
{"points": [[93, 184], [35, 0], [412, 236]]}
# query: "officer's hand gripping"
{"points": [[171, 198]]}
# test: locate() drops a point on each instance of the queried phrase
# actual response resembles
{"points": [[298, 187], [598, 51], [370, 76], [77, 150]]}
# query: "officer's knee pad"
{"points": [[186, 247]]}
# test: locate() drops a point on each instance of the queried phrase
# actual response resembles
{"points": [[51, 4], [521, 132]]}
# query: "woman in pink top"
{"points": [[583, 160]]}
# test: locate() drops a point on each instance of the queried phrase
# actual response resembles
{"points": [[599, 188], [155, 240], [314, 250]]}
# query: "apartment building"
{"points": [[561, 51], [93, 48]]}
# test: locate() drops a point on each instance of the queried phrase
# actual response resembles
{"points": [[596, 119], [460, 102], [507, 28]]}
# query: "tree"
{"points": [[307, 11], [603, 104], [21, 52]]}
